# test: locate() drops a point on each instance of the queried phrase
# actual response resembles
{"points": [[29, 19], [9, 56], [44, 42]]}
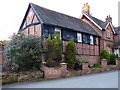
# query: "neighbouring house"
{"points": [[90, 34], [117, 41], [1, 53]]}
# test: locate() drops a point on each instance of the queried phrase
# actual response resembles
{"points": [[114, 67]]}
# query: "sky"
{"points": [[13, 11]]}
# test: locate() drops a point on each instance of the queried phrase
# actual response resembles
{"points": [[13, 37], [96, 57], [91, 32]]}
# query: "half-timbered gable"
{"points": [[31, 24]]}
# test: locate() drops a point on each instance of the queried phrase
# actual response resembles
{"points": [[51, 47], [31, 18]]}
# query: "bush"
{"points": [[78, 64], [96, 66], [54, 49], [105, 55], [112, 59], [70, 54], [24, 52], [52, 63]]}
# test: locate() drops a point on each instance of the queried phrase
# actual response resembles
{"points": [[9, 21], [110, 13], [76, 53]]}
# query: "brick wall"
{"points": [[53, 72], [103, 40], [1, 54], [30, 19], [86, 51]]}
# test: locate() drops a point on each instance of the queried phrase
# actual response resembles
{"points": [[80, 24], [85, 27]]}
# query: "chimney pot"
{"points": [[86, 8], [109, 19]]}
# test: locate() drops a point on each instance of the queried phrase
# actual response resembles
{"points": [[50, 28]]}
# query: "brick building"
{"points": [[117, 41], [90, 34], [1, 52]]}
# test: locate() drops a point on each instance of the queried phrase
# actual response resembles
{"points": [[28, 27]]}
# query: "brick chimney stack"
{"points": [[109, 19], [86, 8]]}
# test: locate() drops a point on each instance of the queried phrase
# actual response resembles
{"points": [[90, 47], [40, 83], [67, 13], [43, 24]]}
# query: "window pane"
{"points": [[58, 31], [79, 37], [91, 39]]}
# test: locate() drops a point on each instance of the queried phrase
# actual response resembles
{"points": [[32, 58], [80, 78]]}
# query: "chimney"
{"points": [[109, 19], [86, 8]]}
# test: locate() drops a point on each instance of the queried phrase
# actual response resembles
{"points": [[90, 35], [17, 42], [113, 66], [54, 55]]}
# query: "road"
{"points": [[101, 80]]}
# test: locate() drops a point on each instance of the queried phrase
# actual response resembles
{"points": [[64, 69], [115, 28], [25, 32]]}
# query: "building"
{"points": [[1, 53], [117, 41], [90, 34]]}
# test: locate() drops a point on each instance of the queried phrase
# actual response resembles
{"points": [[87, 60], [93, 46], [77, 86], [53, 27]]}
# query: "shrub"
{"points": [[78, 64], [54, 51], [57, 48], [105, 55], [70, 54], [52, 63], [96, 66], [23, 52], [112, 59]]}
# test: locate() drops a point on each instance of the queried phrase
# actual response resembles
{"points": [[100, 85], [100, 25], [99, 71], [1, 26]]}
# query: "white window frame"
{"points": [[58, 30], [91, 39], [79, 37]]}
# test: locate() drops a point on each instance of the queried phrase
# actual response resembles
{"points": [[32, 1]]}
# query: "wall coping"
{"points": [[104, 59], [117, 59], [63, 63]]}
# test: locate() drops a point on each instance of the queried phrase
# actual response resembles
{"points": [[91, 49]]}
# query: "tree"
{"points": [[5, 41], [112, 59], [57, 45], [70, 54], [54, 52], [105, 55], [24, 52]]}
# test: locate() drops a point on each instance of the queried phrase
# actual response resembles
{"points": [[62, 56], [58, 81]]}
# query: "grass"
{"points": [[43, 79], [96, 66]]}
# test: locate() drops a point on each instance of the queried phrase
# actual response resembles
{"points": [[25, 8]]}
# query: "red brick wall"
{"points": [[53, 72], [103, 40], [1, 54], [30, 16], [30, 19], [85, 51]]}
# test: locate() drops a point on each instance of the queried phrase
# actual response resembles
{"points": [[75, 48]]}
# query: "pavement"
{"points": [[100, 80]]}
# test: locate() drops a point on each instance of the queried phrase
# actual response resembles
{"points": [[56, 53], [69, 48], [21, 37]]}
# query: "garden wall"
{"points": [[55, 72], [21, 77]]}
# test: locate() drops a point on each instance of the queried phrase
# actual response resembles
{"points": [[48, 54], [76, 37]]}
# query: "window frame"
{"points": [[107, 33], [79, 37], [57, 29], [91, 39]]}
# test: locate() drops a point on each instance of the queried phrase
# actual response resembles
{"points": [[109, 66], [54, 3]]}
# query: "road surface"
{"points": [[100, 80]]}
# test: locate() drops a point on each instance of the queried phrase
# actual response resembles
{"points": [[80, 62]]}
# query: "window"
{"points": [[84, 38], [79, 37], [94, 40], [108, 49], [91, 39], [58, 31], [107, 33], [46, 33]]}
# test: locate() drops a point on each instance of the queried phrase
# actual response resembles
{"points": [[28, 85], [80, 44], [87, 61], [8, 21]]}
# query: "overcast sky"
{"points": [[13, 11]]}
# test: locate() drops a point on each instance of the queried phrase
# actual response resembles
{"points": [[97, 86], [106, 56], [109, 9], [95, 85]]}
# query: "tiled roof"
{"points": [[101, 23], [58, 19], [117, 30]]}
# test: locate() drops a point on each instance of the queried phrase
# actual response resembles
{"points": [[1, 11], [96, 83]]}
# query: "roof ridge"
{"points": [[56, 11], [63, 20]]}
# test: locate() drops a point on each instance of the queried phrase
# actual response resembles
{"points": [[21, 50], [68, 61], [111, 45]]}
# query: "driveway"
{"points": [[101, 80]]}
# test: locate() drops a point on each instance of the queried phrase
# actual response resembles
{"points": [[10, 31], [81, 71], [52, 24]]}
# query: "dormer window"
{"points": [[107, 33]]}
